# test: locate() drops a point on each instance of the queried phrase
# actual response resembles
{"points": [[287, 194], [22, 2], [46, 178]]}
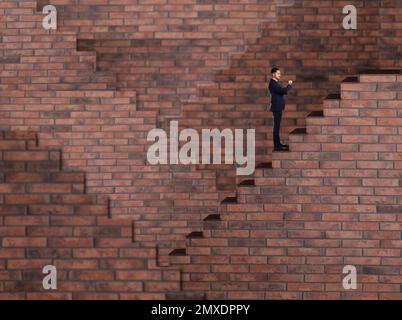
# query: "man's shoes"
{"points": [[281, 149]]}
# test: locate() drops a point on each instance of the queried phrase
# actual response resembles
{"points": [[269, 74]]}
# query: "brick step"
{"points": [[52, 222], [14, 145], [352, 79], [294, 135], [358, 86], [380, 75], [333, 96], [29, 187], [298, 131], [213, 217], [289, 160], [178, 257], [106, 94], [4, 59], [315, 125], [100, 235], [42, 177], [67, 210], [18, 135], [195, 234], [23, 206], [33, 154], [178, 252], [316, 114], [229, 200], [381, 72], [314, 122], [30, 166], [352, 91], [54, 199]]}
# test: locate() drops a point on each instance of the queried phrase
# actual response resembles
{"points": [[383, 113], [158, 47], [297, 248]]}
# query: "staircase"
{"points": [[334, 199], [47, 218], [58, 207]]}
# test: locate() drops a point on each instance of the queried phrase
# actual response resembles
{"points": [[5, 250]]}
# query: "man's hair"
{"points": [[274, 70]]}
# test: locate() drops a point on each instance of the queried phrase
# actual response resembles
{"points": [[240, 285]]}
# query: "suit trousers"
{"points": [[277, 128]]}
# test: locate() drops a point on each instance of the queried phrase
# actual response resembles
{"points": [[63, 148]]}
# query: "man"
{"points": [[278, 106]]}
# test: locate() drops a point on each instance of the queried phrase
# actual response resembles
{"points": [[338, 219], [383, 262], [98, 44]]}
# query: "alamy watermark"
{"points": [[50, 280], [197, 150], [349, 282], [350, 21], [50, 21]]}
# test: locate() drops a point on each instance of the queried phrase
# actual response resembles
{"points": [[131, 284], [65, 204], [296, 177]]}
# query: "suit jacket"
{"points": [[277, 95]]}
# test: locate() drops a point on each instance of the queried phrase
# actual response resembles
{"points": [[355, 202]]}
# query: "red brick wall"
{"points": [[205, 64]]}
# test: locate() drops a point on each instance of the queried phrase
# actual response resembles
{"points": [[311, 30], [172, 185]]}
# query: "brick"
{"points": [[138, 275], [17, 242]]}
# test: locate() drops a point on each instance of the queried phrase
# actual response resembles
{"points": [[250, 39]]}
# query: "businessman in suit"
{"points": [[278, 106]]}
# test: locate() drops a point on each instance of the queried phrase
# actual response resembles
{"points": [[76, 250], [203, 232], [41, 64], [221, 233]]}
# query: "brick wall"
{"points": [[47, 218], [116, 69]]}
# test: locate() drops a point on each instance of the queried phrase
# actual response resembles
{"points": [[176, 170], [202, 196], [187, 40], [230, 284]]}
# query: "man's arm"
{"points": [[275, 86]]}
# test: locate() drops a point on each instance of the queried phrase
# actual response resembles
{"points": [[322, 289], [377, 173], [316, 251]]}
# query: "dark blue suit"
{"points": [[277, 107], [277, 95]]}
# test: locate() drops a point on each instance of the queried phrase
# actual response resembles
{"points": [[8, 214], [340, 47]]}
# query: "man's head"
{"points": [[276, 73]]}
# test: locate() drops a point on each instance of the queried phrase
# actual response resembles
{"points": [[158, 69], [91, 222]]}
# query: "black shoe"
{"points": [[284, 146], [280, 149]]}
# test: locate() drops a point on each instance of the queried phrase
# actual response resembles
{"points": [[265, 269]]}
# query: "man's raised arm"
{"points": [[279, 90]]}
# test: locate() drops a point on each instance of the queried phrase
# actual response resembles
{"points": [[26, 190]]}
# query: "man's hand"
{"points": [[290, 82]]}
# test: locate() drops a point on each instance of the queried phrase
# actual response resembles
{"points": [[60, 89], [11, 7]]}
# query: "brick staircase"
{"points": [[237, 98], [58, 65], [109, 60], [47, 218], [334, 199], [70, 105]]}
